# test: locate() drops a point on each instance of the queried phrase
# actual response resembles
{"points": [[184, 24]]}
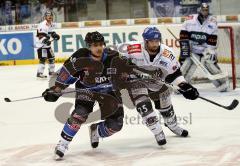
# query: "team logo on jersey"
{"points": [[210, 26], [134, 48], [163, 63], [212, 40], [111, 71], [134, 60], [64, 75], [174, 67], [102, 79], [199, 37], [168, 54], [184, 34], [73, 59]]}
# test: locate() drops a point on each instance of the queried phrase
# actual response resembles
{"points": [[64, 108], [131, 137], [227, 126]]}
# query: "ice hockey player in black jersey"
{"points": [[89, 68]]}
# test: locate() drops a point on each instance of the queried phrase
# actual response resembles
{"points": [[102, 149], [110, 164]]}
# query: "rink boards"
{"points": [[16, 49]]}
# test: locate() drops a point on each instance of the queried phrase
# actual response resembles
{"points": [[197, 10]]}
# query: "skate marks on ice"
{"points": [[208, 90], [122, 152]]}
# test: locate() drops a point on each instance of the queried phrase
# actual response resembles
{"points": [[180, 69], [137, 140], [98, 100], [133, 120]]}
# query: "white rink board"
{"points": [[72, 39], [29, 131]]}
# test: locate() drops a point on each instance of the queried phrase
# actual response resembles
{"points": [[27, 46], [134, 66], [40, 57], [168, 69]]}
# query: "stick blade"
{"points": [[7, 100], [233, 105]]}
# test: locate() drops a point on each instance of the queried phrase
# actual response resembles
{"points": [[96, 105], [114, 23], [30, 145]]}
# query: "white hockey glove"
{"points": [[210, 55]]}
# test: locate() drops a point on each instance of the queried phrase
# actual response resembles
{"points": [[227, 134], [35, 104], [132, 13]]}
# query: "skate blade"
{"points": [[94, 145], [57, 157], [162, 147], [42, 78]]}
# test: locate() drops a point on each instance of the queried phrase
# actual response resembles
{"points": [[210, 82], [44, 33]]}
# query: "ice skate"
{"points": [[41, 75], [160, 138], [60, 149], [94, 138]]}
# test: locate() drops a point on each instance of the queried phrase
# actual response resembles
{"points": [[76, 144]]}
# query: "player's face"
{"points": [[49, 18], [97, 49], [205, 12], [152, 45]]}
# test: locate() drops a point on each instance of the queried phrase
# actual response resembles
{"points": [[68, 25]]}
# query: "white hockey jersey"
{"points": [[164, 60], [46, 29], [201, 36]]}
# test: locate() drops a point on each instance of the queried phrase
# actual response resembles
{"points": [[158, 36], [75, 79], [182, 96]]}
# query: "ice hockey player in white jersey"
{"points": [[151, 55], [43, 43], [198, 36]]}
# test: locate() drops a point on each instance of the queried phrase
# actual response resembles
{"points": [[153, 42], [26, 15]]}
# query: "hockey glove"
{"points": [[55, 36], [184, 47], [46, 41], [188, 91], [181, 60], [51, 95], [210, 55]]}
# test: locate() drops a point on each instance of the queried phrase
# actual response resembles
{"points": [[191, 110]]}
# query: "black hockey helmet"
{"points": [[203, 12], [94, 37], [204, 6], [204, 9]]}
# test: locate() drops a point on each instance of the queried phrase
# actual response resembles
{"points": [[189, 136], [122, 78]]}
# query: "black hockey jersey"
{"points": [[85, 72]]}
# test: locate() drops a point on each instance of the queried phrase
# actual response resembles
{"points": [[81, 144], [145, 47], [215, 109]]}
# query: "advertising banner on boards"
{"points": [[16, 46]]}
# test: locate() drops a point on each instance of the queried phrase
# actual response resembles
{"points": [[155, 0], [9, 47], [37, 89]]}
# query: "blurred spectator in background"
{"points": [[7, 13], [22, 11], [1, 14], [175, 8], [32, 11], [27, 11]]}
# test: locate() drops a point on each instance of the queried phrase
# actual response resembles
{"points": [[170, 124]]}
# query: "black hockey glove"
{"points": [[184, 46], [46, 41], [50, 95], [55, 36], [188, 91], [181, 60]]}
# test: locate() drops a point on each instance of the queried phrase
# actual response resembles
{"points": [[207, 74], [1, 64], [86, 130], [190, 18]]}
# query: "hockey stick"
{"points": [[172, 34], [205, 71], [31, 98], [73, 91], [109, 103], [200, 65], [233, 104], [34, 45], [6, 99]]}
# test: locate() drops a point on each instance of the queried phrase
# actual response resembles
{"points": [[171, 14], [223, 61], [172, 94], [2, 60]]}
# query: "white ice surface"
{"points": [[29, 130]]}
